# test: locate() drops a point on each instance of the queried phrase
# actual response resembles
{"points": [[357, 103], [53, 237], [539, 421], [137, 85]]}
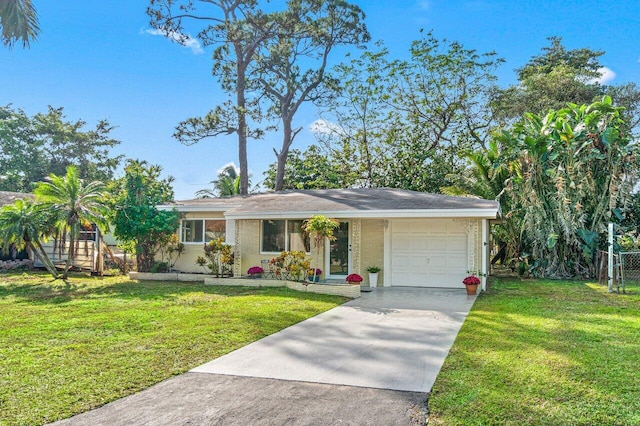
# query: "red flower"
{"points": [[354, 278], [471, 280]]}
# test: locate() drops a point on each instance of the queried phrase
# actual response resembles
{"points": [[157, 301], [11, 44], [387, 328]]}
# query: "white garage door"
{"points": [[428, 253]]}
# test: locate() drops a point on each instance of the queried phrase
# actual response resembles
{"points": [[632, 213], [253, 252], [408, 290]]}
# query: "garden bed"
{"points": [[336, 289], [167, 276], [346, 290]]}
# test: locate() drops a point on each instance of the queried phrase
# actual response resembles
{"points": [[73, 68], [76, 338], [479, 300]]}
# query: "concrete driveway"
{"points": [[392, 338], [368, 362]]}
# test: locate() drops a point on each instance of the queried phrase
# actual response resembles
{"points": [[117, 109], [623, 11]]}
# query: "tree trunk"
{"points": [[242, 126], [119, 262], [145, 256], [141, 263], [282, 161], [41, 254], [97, 246], [70, 255], [287, 140]]}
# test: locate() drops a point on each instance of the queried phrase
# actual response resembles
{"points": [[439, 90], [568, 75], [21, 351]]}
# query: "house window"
{"points": [[273, 235], [281, 235], [214, 229], [202, 230], [192, 231]]}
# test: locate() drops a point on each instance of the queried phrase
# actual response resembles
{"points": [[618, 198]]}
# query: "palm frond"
{"points": [[18, 22]]}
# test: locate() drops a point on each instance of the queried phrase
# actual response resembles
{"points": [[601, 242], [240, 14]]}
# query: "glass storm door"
{"points": [[338, 257]]}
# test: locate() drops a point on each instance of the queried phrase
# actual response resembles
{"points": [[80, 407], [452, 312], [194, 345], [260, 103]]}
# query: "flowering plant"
{"points": [[354, 278], [255, 270], [318, 271], [291, 265], [471, 280]]}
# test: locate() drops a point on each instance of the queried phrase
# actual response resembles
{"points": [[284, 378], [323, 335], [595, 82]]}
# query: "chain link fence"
{"points": [[626, 270], [629, 266]]}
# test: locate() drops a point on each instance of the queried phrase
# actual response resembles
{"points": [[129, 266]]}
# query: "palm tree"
{"points": [[18, 21], [227, 184], [73, 205], [22, 225]]}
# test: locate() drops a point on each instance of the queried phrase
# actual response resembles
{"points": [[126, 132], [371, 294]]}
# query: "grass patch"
{"points": [[534, 352], [68, 348]]}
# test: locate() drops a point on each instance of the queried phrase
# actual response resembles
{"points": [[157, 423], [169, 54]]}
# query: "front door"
{"points": [[338, 253]]}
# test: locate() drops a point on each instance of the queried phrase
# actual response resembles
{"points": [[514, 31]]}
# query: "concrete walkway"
{"points": [[392, 338]]}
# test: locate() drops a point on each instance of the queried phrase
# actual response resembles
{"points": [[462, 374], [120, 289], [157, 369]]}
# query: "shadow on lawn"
{"points": [[41, 288], [556, 347]]}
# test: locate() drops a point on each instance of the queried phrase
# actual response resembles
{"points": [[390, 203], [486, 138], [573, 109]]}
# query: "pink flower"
{"points": [[255, 270]]}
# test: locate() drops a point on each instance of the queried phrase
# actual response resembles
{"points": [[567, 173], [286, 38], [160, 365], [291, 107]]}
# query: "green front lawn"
{"points": [[65, 349], [544, 353]]}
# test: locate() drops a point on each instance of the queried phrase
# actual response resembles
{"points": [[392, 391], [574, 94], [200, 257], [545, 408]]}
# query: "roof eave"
{"points": [[481, 213], [194, 209]]}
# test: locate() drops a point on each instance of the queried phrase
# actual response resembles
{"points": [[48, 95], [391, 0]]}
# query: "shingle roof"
{"points": [[7, 197], [222, 203], [340, 200]]}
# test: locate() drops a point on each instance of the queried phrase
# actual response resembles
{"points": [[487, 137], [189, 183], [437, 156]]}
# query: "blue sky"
{"points": [[97, 60]]}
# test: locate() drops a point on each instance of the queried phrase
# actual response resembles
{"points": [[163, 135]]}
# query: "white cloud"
{"points": [[423, 4], [606, 76], [187, 41], [324, 127]]}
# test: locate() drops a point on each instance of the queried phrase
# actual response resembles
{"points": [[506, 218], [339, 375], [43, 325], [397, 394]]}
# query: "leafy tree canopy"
{"points": [[584, 62], [31, 148], [137, 221], [236, 29], [404, 123], [290, 68], [312, 169], [268, 62], [559, 76], [571, 171]]}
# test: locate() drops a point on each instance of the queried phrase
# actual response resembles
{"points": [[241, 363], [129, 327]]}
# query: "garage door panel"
{"points": [[457, 244], [446, 280], [419, 243], [436, 243], [411, 280], [428, 259], [444, 264], [452, 260], [400, 277], [456, 262], [411, 262], [417, 280]]}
